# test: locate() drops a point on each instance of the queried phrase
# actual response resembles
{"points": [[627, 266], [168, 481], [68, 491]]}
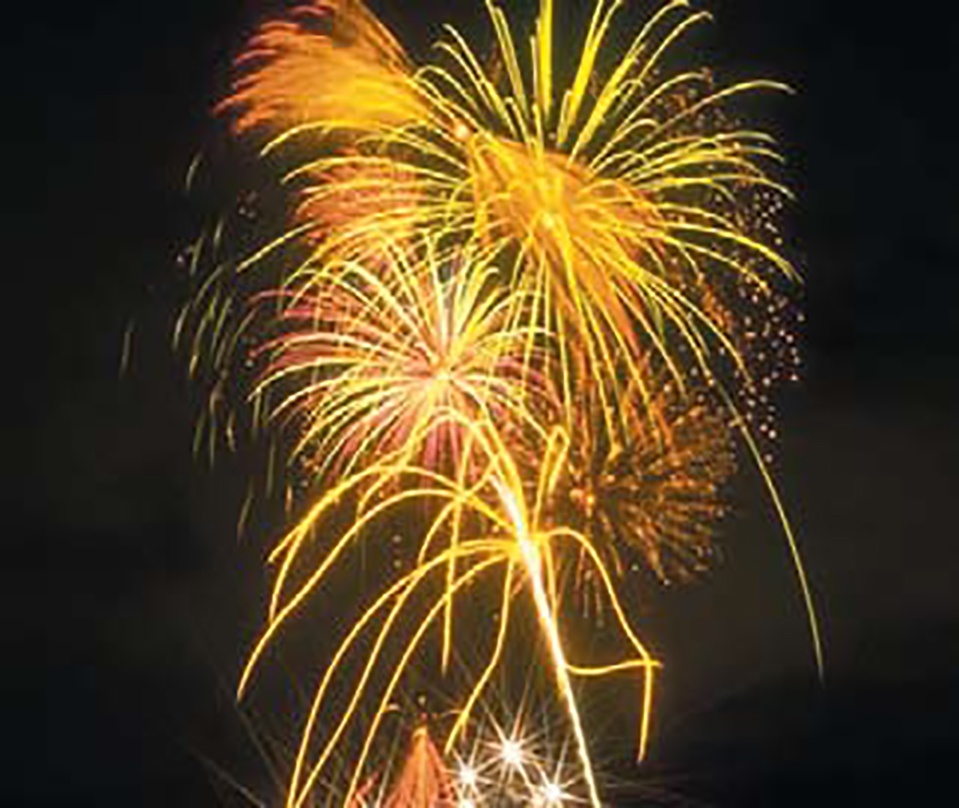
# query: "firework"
{"points": [[487, 528], [658, 491], [369, 358], [414, 374], [622, 210], [501, 766], [512, 757], [423, 780], [512, 311], [332, 66], [516, 764], [630, 211]]}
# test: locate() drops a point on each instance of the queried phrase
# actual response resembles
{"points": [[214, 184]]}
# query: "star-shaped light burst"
{"points": [[518, 766]]}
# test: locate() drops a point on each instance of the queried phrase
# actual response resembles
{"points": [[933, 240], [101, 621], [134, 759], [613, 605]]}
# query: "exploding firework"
{"points": [[658, 490], [621, 196], [513, 312], [629, 211], [368, 359]]}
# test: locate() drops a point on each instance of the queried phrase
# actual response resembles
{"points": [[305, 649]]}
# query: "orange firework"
{"points": [[658, 489], [423, 781], [332, 66]]}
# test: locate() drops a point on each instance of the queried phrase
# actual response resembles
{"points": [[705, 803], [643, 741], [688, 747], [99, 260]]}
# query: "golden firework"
{"points": [[658, 490], [513, 306], [620, 195], [330, 67], [512, 539]]}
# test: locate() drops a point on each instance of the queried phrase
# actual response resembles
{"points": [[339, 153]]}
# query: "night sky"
{"points": [[129, 601]]}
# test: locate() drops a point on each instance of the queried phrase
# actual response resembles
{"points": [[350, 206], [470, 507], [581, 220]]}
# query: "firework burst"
{"points": [[629, 212], [622, 209], [330, 67], [368, 358], [514, 309], [659, 490]]}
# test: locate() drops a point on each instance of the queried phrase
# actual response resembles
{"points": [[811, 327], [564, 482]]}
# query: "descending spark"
{"points": [[534, 571], [513, 538]]}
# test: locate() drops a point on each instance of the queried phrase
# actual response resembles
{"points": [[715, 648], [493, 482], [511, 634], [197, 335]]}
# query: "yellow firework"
{"points": [[619, 192], [511, 540]]}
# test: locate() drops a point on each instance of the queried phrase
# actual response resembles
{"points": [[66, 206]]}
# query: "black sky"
{"points": [[129, 603]]}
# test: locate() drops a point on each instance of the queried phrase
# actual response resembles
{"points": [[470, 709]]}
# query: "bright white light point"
{"points": [[512, 754], [468, 779], [553, 794], [466, 804]]}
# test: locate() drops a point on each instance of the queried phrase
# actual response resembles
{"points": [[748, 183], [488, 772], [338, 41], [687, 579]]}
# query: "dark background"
{"points": [[129, 602]]}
